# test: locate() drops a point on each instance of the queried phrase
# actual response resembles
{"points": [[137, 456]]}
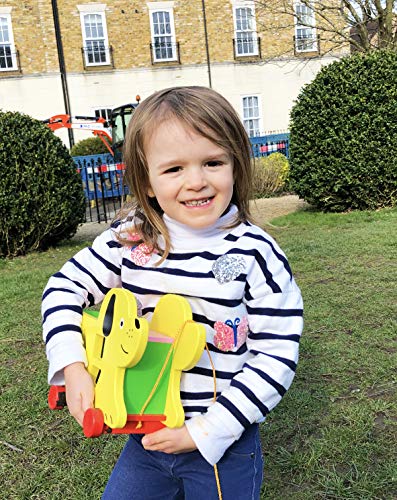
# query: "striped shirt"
{"points": [[239, 286]]}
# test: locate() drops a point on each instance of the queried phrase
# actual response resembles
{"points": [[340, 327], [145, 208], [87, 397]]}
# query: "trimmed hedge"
{"points": [[41, 195], [89, 146], [343, 141]]}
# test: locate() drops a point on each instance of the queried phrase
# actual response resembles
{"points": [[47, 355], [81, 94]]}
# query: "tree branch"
{"points": [[365, 24]]}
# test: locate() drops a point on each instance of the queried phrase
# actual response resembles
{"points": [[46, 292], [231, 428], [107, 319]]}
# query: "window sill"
{"points": [[167, 62], [10, 72], [98, 67], [95, 65], [239, 56], [307, 53], [159, 61]]}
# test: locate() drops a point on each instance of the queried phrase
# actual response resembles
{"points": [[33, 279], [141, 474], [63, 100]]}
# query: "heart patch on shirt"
{"points": [[227, 267]]}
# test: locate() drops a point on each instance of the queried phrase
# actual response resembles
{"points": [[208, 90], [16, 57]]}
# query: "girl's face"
{"points": [[190, 176]]}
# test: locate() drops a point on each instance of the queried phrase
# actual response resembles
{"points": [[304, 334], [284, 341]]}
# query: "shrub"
{"points": [[41, 194], [270, 175], [343, 141], [90, 146]]}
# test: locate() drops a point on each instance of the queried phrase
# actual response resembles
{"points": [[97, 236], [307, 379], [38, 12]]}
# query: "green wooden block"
{"points": [[140, 380]]}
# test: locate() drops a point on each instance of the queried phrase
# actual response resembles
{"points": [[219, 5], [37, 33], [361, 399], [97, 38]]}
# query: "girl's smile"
{"points": [[190, 176], [197, 203]]}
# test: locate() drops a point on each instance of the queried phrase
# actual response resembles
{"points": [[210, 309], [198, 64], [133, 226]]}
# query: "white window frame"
{"points": [[252, 131], [5, 13], [249, 34], [94, 10], [308, 29], [106, 113], [167, 8]]}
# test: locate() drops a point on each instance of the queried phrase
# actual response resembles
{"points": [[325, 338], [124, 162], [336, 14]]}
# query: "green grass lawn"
{"points": [[334, 436]]}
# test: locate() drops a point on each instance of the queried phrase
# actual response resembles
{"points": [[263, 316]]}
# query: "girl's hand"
{"points": [[79, 390], [169, 440]]}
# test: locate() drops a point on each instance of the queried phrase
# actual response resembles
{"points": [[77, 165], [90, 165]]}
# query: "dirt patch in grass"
{"points": [[266, 209]]}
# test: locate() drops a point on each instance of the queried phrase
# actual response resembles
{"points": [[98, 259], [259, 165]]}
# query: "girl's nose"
{"points": [[195, 178]]}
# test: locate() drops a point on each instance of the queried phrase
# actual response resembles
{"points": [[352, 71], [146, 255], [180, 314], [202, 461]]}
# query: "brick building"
{"points": [[102, 53]]}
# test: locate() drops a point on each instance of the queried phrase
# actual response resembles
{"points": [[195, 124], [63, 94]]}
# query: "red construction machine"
{"points": [[120, 118]]}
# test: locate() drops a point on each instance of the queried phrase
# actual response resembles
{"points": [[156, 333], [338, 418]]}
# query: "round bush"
{"points": [[41, 194], [343, 142], [270, 175], [89, 146]]}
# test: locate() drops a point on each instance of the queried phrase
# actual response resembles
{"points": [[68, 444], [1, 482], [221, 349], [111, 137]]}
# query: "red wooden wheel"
{"points": [[56, 397], [93, 422]]}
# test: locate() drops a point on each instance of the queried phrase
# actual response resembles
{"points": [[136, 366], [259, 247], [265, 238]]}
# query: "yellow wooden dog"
{"points": [[116, 340]]}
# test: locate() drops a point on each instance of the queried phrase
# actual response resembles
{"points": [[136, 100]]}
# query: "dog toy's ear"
{"points": [[109, 314]]}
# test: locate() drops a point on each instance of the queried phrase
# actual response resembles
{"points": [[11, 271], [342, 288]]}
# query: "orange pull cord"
{"points": [[218, 484], [161, 373], [156, 384]]}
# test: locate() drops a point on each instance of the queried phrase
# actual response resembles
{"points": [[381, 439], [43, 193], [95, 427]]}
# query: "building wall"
{"points": [[34, 35], [36, 89]]}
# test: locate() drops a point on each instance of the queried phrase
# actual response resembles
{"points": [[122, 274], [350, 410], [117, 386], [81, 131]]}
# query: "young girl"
{"points": [[188, 233]]}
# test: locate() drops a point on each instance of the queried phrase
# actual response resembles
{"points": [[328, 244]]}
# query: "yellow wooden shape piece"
{"points": [[173, 317], [114, 341]]}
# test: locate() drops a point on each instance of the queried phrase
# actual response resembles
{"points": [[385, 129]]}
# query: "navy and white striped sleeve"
{"points": [[275, 316], [82, 282]]}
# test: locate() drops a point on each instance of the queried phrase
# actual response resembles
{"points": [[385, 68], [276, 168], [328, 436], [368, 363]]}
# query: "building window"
{"points": [[246, 39], [251, 115], [106, 114], [305, 31], [164, 47], [8, 56], [95, 39]]}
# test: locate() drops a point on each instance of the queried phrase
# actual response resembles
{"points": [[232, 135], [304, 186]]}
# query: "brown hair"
{"points": [[207, 113]]}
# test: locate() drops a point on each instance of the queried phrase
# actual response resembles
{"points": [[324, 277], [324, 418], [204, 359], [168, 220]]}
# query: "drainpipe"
{"points": [[62, 66], [206, 44]]}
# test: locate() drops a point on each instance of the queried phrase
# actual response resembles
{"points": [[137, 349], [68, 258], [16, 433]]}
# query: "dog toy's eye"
{"points": [[121, 323], [137, 324]]}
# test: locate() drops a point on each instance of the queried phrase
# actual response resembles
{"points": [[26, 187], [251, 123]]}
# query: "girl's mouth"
{"points": [[197, 203]]}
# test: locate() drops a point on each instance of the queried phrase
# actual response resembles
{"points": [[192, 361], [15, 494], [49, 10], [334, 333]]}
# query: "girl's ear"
{"points": [[150, 192]]}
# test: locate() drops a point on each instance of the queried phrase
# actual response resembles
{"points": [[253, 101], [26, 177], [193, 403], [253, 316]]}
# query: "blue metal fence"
{"points": [[103, 185], [102, 177], [265, 145]]}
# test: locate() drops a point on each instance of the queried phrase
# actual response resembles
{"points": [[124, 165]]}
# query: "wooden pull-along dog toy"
{"points": [[136, 366]]}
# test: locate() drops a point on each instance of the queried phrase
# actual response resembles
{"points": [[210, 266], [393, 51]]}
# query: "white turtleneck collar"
{"points": [[184, 236]]}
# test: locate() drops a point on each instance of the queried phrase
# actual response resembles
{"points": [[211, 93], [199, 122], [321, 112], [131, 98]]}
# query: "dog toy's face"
{"points": [[127, 332], [124, 332]]}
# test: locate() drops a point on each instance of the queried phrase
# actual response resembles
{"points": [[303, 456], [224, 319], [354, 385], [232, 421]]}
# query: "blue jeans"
{"points": [[152, 475]]}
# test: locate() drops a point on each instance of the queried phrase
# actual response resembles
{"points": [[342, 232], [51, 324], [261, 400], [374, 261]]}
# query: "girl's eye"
{"points": [[214, 163], [172, 170]]}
